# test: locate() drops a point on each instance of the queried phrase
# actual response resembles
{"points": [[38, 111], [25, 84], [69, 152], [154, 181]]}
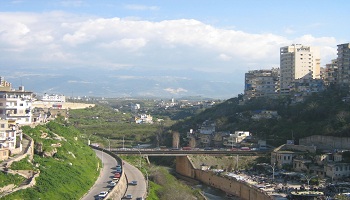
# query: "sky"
{"points": [[220, 40]]}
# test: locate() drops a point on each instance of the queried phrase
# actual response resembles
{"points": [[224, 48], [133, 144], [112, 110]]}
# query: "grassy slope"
{"points": [[69, 174]]}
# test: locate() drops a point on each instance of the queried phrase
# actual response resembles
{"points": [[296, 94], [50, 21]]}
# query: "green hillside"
{"points": [[320, 114], [68, 173]]}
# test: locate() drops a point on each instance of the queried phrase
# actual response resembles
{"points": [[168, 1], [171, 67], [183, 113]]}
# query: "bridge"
{"points": [[178, 152]]}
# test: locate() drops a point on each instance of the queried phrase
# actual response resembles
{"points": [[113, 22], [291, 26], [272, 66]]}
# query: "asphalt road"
{"points": [[134, 174], [105, 177]]}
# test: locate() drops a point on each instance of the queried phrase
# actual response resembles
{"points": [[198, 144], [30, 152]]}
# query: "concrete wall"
{"points": [[326, 142], [226, 184]]}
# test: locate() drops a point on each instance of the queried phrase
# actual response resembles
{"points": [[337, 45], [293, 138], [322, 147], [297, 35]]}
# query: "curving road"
{"points": [[134, 174], [105, 177]]}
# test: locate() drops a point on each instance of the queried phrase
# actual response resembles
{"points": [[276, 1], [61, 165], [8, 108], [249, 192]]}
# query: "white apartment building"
{"points": [[298, 62], [260, 83], [343, 62], [15, 105], [7, 135], [53, 98]]}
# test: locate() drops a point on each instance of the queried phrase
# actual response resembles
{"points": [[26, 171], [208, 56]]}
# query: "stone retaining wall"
{"points": [[226, 184], [326, 142]]}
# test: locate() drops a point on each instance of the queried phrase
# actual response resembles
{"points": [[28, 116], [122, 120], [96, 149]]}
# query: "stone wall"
{"points": [[28, 151], [229, 185], [326, 142]]}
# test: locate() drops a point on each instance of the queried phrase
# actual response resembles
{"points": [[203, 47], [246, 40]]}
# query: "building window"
{"points": [[2, 125]]}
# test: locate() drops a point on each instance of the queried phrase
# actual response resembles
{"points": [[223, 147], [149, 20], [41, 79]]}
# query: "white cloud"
{"points": [[63, 38], [224, 57], [175, 91]]}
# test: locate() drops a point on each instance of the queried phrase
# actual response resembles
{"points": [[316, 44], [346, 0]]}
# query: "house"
{"points": [[234, 140], [144, 118], [205, 140], [301, 165], [282, 158], [337, 170], [218, 138], [206, 133], [265, 114], [53, 98], [8, 133], [207, 128]]}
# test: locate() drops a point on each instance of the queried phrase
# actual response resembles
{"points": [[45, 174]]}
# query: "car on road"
{"points": [[139, 198], [103, 194], [112, 184], [133, 183], [128, 196]]}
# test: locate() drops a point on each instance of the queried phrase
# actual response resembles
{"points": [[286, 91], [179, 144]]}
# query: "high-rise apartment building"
{"points": [[15, 105], [259, 83], [298, 62], [343, 64], [330, 74]]}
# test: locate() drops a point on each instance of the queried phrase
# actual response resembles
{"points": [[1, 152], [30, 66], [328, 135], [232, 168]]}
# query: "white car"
{"points": [[103, 194], [128, 196], [112, 184]]}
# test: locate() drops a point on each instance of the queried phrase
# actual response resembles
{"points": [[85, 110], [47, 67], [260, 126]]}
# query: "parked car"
{"points": [[119, 167], [112, 184], [128, 196], [133, 183], [103, 194], [140, 198], [118, 170], [117, 175]]}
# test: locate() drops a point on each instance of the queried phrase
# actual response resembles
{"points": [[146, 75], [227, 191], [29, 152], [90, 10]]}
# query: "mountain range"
{"points": [[134, 82]]}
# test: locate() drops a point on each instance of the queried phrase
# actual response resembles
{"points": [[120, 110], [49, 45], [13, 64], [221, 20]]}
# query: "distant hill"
{"points": [[127, 83], [323, 113]]}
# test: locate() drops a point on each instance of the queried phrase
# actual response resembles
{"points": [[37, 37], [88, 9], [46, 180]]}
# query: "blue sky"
{"points": [[210, 37]]}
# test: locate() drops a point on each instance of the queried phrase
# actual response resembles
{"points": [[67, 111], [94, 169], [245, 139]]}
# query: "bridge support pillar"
{"points": [[184, 166]]}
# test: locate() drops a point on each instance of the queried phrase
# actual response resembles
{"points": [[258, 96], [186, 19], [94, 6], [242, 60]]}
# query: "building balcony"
{"points": [[18, 115]]}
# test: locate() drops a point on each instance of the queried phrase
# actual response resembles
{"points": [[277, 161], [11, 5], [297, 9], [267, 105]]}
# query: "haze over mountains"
{"points": [[119, 83]]}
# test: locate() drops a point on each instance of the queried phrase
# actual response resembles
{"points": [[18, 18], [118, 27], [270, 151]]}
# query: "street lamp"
{"points": [[109, 144], [138, 145], [102, 158], [146, 178], [308, 180], [89, 137], [273, 171]]}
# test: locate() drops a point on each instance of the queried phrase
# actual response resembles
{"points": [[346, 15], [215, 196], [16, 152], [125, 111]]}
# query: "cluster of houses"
{"points": [[207, 136], [322, 156], [20, 107], [324, 163]]}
